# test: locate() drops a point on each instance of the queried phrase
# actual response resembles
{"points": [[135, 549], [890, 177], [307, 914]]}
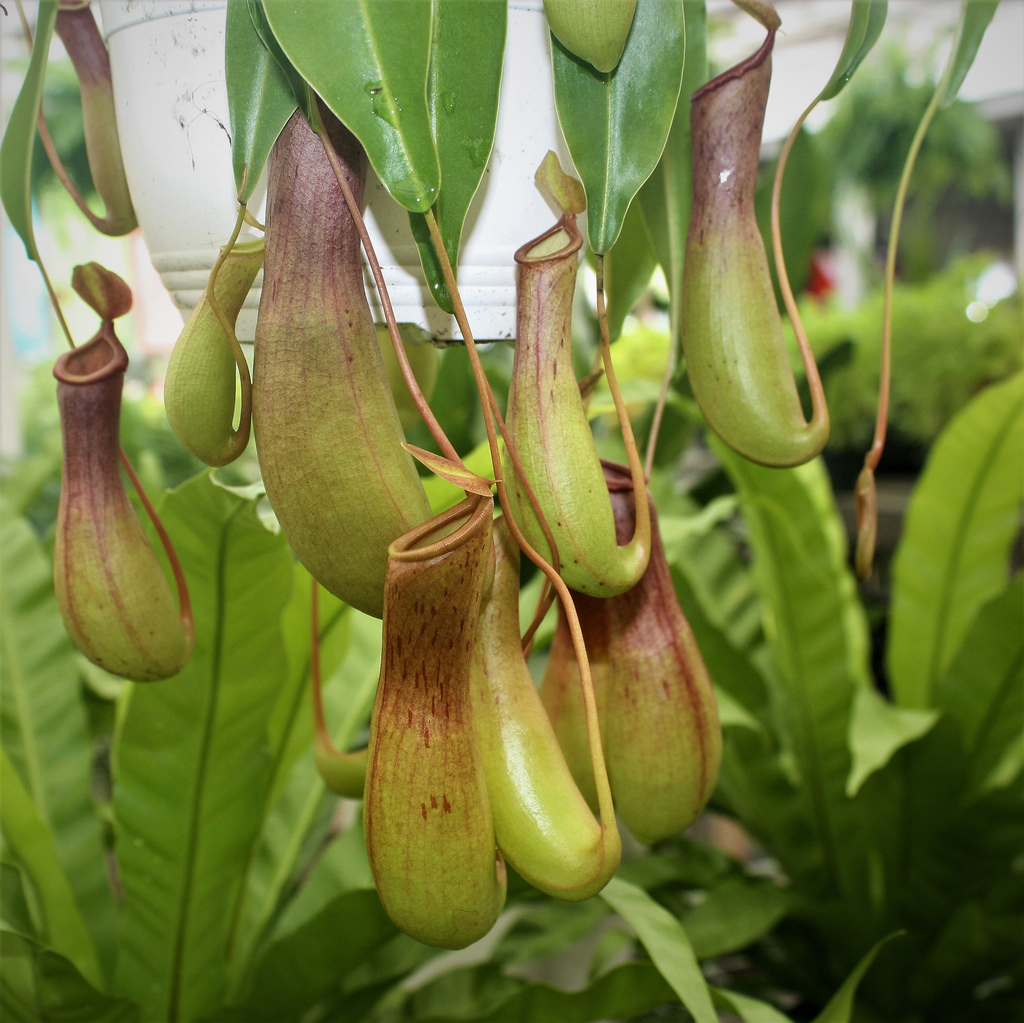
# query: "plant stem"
{"points": [[184, 600], [818, 404], [642, 530]]}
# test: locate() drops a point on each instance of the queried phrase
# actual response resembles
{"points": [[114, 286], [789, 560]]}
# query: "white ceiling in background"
{"points": [[811, 40]]}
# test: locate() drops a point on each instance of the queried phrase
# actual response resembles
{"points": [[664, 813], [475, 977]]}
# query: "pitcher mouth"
{"points": [[566, 225], [456, 526], [739, 70], [87, 358]]}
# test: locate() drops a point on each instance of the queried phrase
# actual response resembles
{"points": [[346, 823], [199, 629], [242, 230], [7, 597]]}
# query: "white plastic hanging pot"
{"points": [[167, 61]]}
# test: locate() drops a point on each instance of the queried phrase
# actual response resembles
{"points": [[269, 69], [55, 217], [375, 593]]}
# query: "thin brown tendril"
{"points": [[240, 437], [546, 599], [642, 531], [867, 501], [319, 721], [818, 404], [184, 600], [604, 794], [382, 292], [545, 602]]}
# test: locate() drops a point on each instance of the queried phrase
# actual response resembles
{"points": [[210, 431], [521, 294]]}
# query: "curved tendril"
{"points": [[319, 721], [105, 225], [642, 532], [240, 437], [382, 292], [818, 405], [544, 603], [606, 807], [184, 600], [659, 407], [867, 504], [547, 598]]}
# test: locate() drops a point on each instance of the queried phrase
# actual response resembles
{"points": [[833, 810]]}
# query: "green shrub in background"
{"points": [[940, 358]]}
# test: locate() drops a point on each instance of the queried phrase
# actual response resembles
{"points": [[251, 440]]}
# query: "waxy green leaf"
{"points": [[616, 124], [369, 61], [260, 98], [462, 97], [975, 16], [20, 135], [628, 268], [666, 195], [867, 18]]}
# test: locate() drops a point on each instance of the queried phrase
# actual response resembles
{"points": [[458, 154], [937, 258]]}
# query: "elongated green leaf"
{"points": [[818, 641], [666, 195], [666, 943], [975, 16], [734, 914], [616, 124], [368, 61], [300, 969], [15, 912], [38, 985], [954, 554], [621, 993], [299, 85], [984, 688], [628, 268], [750, 1010], [732, 713], [462, 96], [290, 726], [877, 731], [20, 135], [292, 820], [260, 98], [191, 761], [840, 1006], [43, 725], [867, 19], [26, 833]]}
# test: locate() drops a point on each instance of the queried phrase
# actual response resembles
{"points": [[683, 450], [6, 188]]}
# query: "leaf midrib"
{"points": [[274, 889], [181, 925], [371, 38]]}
